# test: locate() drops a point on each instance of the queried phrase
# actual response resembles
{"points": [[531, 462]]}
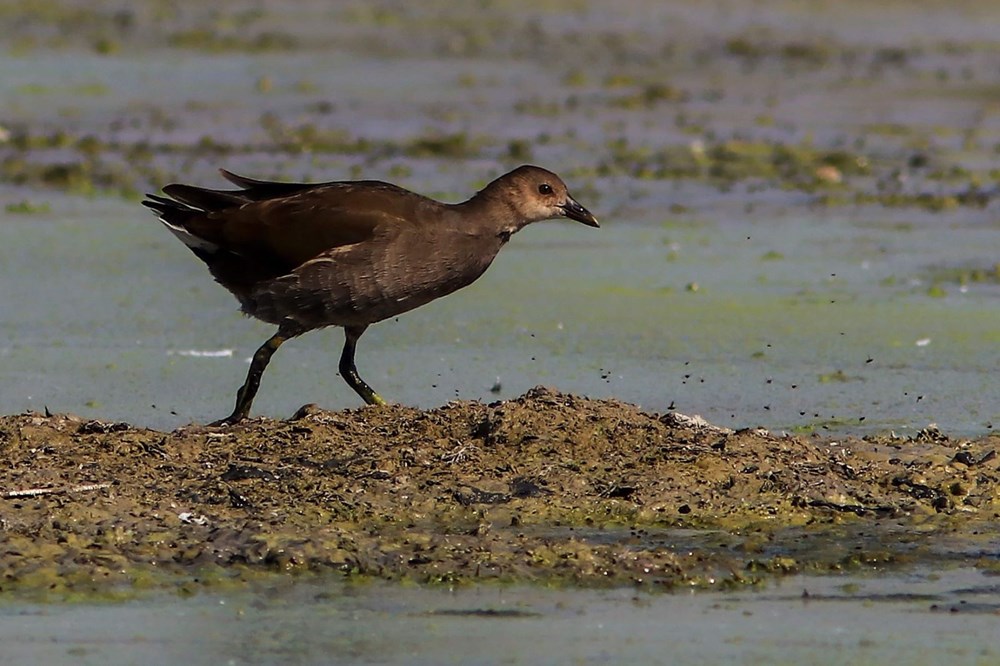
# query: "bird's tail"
{"points": [[175, 216]]}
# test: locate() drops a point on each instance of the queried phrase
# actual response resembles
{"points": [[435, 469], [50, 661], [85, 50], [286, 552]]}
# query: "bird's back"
{"points": [[328, 253]]}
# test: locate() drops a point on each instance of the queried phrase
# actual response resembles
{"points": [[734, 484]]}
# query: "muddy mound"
{"points": [[548, 486]]}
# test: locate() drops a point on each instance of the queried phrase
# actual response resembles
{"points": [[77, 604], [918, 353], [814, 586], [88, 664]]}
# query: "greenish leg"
{"points": [[247, 392], [348, 370]]}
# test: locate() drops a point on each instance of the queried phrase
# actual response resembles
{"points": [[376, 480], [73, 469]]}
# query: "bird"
{"points": [[305, 256]]}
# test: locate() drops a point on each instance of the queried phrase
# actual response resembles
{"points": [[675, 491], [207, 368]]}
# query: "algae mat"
{"points": [[547, 487]]}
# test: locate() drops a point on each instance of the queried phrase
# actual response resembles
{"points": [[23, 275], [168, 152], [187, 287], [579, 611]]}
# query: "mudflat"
{"points": [[547, 487]]}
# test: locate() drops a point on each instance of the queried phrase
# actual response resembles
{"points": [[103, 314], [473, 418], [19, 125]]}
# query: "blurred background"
{"points": [[798, 200]]}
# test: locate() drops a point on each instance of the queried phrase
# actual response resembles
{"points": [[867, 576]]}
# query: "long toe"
{"points": [[230, 420]]}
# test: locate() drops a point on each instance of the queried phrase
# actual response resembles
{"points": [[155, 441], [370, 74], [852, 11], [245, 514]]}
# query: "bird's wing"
{"points": [[289, 223]]}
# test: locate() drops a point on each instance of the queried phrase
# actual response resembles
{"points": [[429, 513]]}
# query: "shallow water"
{"points": [[748, 303], [803, 317], [916, 618]]}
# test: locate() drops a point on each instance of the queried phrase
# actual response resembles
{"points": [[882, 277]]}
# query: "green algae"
{"points": [[837, 376], [965, 275], [95, 89], [27, 208], [648, 96], [727, 162], [212, 41]]}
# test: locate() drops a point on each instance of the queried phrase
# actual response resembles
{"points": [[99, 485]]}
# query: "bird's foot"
{"points": [[230, 420]]}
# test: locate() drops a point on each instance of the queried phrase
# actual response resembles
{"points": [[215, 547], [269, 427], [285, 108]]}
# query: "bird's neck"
{"points": [[492, 213]]}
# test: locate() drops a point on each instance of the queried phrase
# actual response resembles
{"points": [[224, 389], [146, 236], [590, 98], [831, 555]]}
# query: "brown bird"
{"points": [[308, 255]]}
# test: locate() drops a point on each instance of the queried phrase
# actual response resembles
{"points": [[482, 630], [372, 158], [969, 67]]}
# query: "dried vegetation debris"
{"points": [[548, 486]]}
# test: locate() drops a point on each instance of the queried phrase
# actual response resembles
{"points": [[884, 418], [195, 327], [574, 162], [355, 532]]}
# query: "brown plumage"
{"points": [[304, 256]]}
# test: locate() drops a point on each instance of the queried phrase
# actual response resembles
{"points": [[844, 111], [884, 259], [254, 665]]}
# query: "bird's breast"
{"points": [[417, 270], [368, 282]]}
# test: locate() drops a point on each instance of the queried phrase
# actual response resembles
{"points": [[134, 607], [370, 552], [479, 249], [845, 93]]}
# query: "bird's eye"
{"points": [[545, 188]]}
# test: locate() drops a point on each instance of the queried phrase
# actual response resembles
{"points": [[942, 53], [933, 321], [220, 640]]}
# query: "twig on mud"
{"points": [[678, 420], [460, 454], [35, 492]]}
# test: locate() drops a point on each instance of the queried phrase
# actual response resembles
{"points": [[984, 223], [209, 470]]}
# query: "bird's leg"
{"points": [[246, 393], [348, 370]]}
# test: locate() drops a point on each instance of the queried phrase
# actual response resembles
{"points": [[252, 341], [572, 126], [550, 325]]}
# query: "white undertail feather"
{"points": [[189, 239]]}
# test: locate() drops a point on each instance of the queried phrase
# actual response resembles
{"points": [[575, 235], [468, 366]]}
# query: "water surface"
{"points": [[918, 618]]}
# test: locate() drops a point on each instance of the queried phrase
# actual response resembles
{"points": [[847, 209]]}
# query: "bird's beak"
{"points": [[575, 211]]}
